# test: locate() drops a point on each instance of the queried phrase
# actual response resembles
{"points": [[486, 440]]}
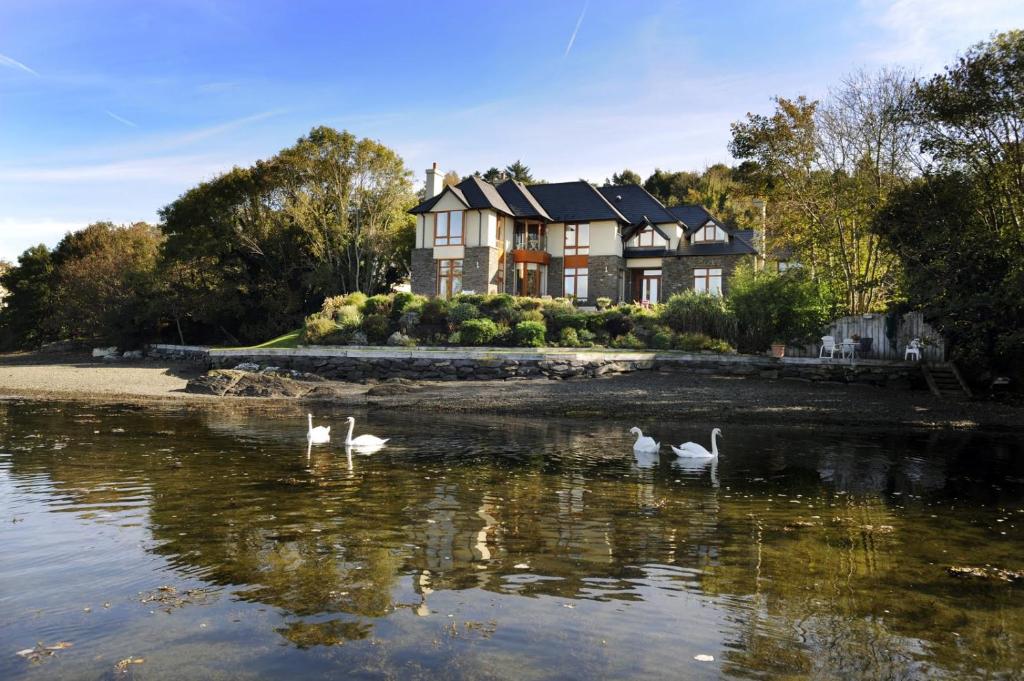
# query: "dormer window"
{"points": [[709, 232], [647, 238]]}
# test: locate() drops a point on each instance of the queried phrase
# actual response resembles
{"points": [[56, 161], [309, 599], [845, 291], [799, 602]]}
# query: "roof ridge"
{"points": [[607, 202]]}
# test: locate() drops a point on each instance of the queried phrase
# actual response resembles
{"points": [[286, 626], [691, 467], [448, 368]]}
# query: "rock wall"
{"points": [[372, 363]]}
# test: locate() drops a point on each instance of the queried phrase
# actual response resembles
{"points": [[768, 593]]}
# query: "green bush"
{"points": [[603, 303], [356, 298], [455, 338], [569, 338], [769, 306], [331, 304], [562, 316], [529, 316], [629, 341], [478, 331], [403, 300], [377, 327], [616, 323], [378, 304], [530, 303], [530, 334], [318, 330], [434, 312], [693, 312], [462, 311], [474, 299], [697, 342], [587, 337], [347, 317], [662, 340]]}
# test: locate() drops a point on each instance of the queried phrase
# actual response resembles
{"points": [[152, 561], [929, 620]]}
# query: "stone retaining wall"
{"points": [[365, 363]]}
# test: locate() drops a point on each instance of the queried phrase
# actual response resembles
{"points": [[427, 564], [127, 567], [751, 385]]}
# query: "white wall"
{"points": [[605, 238]]}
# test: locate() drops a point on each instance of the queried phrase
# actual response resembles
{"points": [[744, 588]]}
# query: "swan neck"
{"points": [[351, 426], [310, 421], [714, 443]]}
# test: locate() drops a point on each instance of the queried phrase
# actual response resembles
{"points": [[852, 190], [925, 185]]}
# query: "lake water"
{"points": [[209, 546]]}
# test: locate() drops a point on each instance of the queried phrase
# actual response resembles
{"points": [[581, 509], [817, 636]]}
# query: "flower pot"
{"points": [[778, 349], [865, 345]]}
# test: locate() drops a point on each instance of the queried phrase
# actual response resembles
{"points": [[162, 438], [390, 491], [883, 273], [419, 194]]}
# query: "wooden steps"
{"points": [[944, 380]]}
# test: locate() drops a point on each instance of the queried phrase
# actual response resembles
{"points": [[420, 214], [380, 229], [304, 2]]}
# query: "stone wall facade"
{"points": [[424, 272], [605, 272], [677, 271], [556, 277], [480, 269]]}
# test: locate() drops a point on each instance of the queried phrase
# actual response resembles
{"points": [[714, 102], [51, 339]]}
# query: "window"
{"points": [[576, 282], [650, 285], [449, 278], [500, 233], [647, 238], [709, 232], [708, 280], [499, 278], [530, 236], [577, 240], [448, 228], [531, 279]]}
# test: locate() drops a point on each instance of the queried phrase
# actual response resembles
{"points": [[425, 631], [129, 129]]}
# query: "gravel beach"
{"points": [[646, 395]]}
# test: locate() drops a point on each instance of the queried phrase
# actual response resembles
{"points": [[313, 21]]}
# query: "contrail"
{"points": [[119, 119], [572, 38], [15, 64]]}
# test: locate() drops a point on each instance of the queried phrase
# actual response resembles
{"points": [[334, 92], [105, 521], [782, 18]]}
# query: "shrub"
{"points": [[769, 306], [455, 338], [474, 299], [377, 327], [530, 303], [435, 312], [331, 304], [478, 331], [616, 323], [693, 312], [408, 322], [529, 316], [503, 337], [462, 311], [318, 329], [586, 337], [603, 303], [530, 334], [662, 340], [379, 304], [356, 298], [569, 338], [347, 317], [403, 300], [562, 316], [697, 342], [629, 341], [497, 302]]}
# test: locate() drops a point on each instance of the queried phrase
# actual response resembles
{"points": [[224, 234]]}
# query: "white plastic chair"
{"points": [[828, 344], [913, 349]]}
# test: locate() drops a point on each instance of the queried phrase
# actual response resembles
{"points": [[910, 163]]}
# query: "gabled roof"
{"points": [[631, 231], [695, 216], [574, 202], [520, 201], [637, 204], [473, 192]]}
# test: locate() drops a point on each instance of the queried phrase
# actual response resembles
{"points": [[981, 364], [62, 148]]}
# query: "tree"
{"points": [[520, 173], [672, 189], [826, 171], [627, 176], [451, 178], [106, 279], [494, 176], [28, 319]]}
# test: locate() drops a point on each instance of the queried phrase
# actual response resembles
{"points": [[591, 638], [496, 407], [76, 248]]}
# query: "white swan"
{"points": [[363, 441], [696, 451], [643, 442], [318, 435]]}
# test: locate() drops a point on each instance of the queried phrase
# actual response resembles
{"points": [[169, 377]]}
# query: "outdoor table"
{"points": [[849, 346]]}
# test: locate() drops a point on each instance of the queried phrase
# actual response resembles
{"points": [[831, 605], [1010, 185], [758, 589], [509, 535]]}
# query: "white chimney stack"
{"points": [[435, 181]]}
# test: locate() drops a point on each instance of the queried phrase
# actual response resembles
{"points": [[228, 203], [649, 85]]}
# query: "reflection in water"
{"points": [[502, 548]]}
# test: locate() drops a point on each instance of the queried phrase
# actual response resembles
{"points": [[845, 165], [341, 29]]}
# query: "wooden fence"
{"points": [[889, 334]]}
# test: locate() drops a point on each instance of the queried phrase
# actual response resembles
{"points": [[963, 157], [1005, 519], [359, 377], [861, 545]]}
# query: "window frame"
{"points": [[575, 275], [446, 239], [707, 276], [701, 235], [454, 273], [654, 236], [575, 248]]}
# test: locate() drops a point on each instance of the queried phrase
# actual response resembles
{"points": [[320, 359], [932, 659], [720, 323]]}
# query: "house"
{"points": [[567, 239]]}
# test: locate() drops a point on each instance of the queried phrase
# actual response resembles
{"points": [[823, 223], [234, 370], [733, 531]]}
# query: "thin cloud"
{"points": [[579, 22], [119, 119], [15, 64]]}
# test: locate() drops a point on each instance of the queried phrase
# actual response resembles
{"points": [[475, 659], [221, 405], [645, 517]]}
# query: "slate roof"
{"points": [[695, 216], [735, 246], [521, 202], [574, 202], [636, 203], [473, 192]]}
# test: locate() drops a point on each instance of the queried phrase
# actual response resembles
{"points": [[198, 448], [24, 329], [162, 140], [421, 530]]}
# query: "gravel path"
{"points": [[644, 395]]}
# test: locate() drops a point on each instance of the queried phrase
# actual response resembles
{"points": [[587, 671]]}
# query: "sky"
{"points": [[111, 110]]}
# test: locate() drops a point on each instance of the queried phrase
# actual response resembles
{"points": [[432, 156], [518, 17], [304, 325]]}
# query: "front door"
{"points": [[647, 285], [531, 279]]}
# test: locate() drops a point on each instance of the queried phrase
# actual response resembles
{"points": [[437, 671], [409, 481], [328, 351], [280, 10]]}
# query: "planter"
{"points": [[865, 345], [778, 349]]}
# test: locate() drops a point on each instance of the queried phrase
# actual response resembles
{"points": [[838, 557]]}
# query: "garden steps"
{"points": [[944, 380]]}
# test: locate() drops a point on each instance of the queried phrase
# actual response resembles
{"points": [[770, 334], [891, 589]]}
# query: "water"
{"points": [[495, 548]]}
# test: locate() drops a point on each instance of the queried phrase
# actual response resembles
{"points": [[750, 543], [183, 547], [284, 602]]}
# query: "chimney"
{"points": [[435, 182]]}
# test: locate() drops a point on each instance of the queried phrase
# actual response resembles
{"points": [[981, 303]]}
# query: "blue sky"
{"points": [[110, 110]]}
